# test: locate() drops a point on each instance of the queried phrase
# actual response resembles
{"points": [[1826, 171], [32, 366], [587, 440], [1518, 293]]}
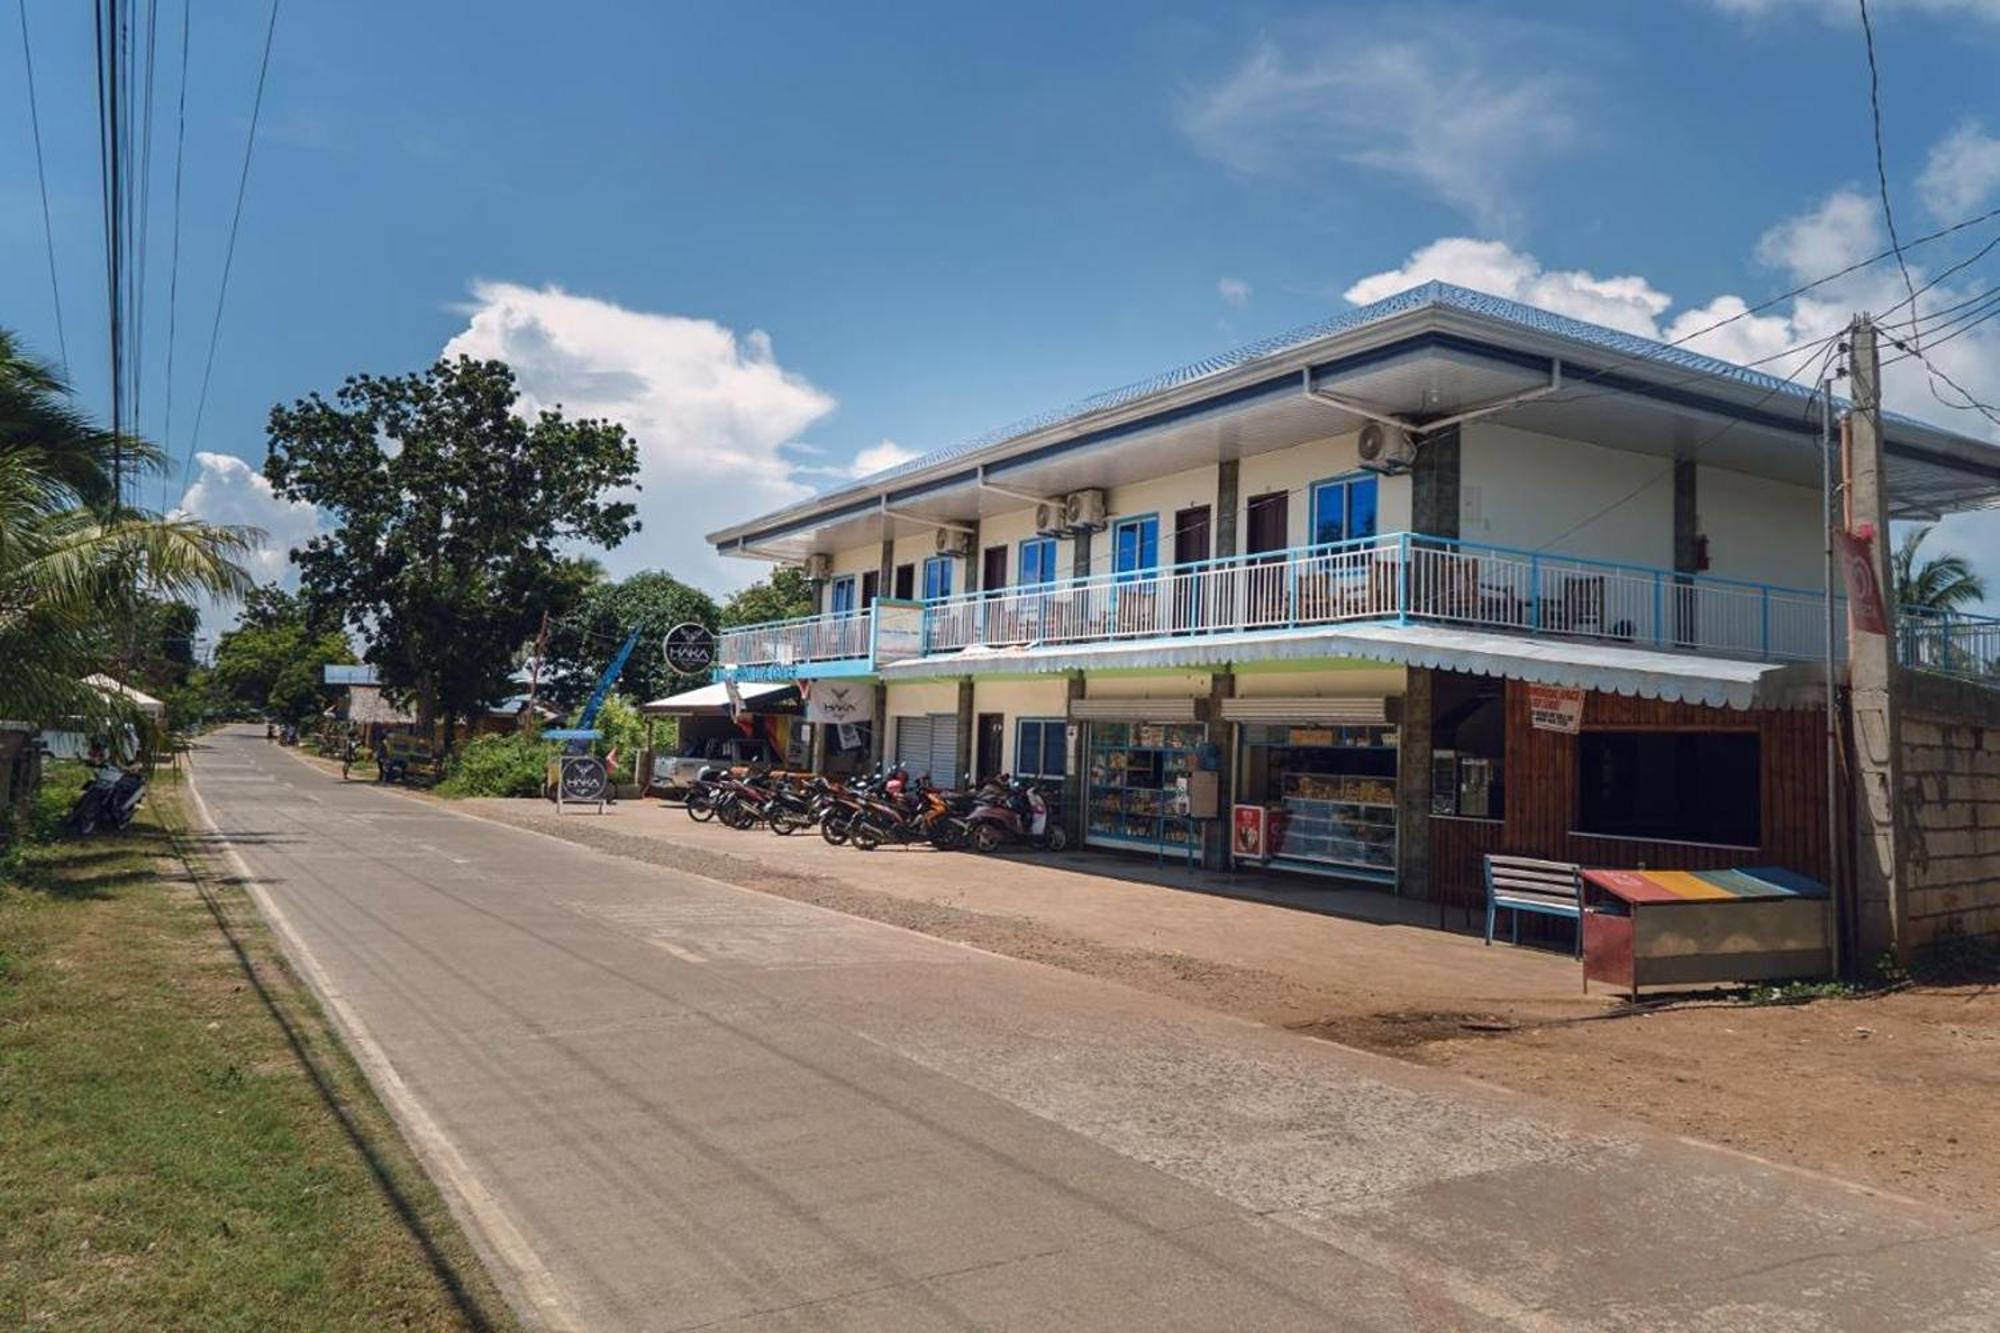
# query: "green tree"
{"points": [[1937, 583], [273, 663], [451, 506], [582, 644], [79, 569], [785, 594]]}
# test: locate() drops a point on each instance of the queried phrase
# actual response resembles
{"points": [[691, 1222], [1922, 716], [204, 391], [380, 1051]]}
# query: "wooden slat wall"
{"points": [[1541, 802]]}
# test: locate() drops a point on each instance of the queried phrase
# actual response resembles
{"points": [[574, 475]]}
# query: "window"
{"points": [[842, 603], [1038, 561], [1673, 786], [1135, 546], [1039, 745], [937, 577], [1344, 509]]}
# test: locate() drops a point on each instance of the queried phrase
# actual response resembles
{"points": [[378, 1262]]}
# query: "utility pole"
{"points": [[535, 674], [1880, 838]]}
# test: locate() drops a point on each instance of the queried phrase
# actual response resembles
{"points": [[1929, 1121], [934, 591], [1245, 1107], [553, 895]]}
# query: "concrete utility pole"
{"points": [[1880, 838]]}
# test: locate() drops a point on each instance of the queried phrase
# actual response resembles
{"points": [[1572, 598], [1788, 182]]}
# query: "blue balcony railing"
{"points": [[1953, 642], [1399, 577]]}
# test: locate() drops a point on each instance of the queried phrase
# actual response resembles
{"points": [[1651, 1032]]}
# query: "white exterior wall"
{"points": [[1016, 699], [915, 550], [1163, 497], [1009, 529], [1523, 489], [1154, 685], [1760, 530], [1294, 471]]}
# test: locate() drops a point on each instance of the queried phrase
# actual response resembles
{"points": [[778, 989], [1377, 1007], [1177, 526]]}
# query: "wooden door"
{"points": [[993, 569], [1268, 533]]}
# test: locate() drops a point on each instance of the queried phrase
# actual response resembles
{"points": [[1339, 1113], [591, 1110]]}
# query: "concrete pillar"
{"points": [[1079, 555], [974, 560], [1687, 553], [1215, 835], [1228, 499], [878, 731], [1077, 764], [1880, 838], [1434, 482], [886, 574], [1413, 788], [966, 740]]}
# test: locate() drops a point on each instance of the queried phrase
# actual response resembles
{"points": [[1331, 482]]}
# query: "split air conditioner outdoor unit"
{"points": [[1083, 511], [819, 567], [952, 542], [1385, 448], [1049, 519]]}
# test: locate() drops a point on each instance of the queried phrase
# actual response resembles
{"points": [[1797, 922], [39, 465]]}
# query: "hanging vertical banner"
{"points": [[1555, 708], [1865, 611]]}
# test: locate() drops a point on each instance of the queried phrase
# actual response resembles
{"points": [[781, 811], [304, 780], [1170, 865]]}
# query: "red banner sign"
{"points": [[1865, 611], [1249, 832]]}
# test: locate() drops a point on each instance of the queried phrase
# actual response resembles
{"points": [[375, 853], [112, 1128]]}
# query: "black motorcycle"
{"points": [[110, 798]]}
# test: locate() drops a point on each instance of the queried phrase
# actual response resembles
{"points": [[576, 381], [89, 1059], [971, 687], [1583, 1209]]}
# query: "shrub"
{"points": [[503, 765]]}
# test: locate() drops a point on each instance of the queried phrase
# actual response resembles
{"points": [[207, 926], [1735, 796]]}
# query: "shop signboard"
{"points": [[899, 631], [1251, 832], [1311, 736], [839, 702], [583, 781], [690, 649], [1556, 708]]}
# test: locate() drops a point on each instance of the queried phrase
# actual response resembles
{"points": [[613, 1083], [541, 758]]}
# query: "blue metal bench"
{"points": [[1520, 884]]}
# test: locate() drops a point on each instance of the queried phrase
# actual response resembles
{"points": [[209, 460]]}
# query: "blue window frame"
{"points": [[842, 601], [937, 577], [1344, 509], [1040, 746], [1038, 561], [1135, 546]]}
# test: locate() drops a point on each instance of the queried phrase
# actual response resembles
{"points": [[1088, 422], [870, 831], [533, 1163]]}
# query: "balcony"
{"points": [[1951, 642], [1397, 578]]}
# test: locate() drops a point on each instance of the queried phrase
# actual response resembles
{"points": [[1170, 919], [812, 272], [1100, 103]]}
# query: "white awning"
{"points": [[1613, 668], [139, 699], [761, 696]]}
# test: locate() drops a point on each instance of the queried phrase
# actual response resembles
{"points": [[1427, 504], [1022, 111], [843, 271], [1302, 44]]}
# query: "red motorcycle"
{"points": [[1006, 810]]}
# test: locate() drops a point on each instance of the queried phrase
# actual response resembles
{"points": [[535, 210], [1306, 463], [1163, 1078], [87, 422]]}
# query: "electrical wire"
{"points": [[174, 264], [229, 254], [42, 179]]}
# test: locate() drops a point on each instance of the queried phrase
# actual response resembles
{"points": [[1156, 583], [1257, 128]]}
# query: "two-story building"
{"points": [[1361, 572]]}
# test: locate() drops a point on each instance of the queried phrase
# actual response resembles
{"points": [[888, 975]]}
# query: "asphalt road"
{"points": [[664, 1102]]}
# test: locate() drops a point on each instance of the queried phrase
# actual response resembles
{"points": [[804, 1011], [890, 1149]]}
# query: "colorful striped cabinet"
{"points": [[1702, 927]]}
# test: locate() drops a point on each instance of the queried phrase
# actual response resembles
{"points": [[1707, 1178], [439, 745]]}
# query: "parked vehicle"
{"points": [[110, 798], [676, 775], [1008, 810]]}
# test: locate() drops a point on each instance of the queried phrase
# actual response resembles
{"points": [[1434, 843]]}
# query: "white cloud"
{"points": [[1962, 174], [714, 414], [1628, 303], [1466, 116], [230, 491], [1235, 292], [881, 458]]}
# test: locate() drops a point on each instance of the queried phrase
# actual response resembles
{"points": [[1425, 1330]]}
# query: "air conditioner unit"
{"points": [[1049, 519], [1386, 448], [819, 567], [1084, 510], [952, 542]]}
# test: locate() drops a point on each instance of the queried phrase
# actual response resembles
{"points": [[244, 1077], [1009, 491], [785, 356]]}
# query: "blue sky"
{"points": [[776, 238]]}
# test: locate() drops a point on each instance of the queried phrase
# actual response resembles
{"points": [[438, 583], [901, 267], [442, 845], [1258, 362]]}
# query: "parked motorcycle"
{"points": [[1008, 810], [111, 797]]}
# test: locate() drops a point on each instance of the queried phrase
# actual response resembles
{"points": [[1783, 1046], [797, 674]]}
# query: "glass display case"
{"points": [[1330, 794], [1138, 775]]}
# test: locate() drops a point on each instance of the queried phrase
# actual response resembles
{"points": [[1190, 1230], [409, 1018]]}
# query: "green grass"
{"points": [[183, 1141]]}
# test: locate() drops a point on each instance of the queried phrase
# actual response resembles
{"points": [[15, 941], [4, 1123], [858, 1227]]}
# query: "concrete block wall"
{"points": [[1950, 740]]}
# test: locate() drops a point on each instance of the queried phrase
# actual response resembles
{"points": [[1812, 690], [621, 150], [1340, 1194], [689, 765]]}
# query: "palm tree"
{"points": [[75, 561], [1941, 583]]}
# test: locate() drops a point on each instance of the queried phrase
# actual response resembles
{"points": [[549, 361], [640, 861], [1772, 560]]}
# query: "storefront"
{"points": [[1316, 785], [1140, 761]]}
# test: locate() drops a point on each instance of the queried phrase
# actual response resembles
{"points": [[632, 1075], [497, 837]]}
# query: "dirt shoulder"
{"points": [[1897, 1091]]}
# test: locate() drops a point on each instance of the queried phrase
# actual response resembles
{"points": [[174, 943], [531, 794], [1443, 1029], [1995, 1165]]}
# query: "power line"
{"points": [[229, 254], [42, 178], [1881, 168], [174, 265]]}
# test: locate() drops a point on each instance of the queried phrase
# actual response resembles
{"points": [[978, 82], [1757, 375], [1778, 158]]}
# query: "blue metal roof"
{"points": [[1442, 295]]}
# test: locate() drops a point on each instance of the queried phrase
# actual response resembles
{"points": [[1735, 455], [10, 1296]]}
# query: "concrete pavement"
{"points": [[664, 1102]]}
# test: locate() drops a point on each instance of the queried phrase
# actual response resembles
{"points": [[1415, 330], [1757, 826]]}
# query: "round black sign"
{"points": [[584, 779], [690, 648]]}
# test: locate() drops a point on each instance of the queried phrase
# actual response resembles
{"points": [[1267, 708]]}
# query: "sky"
{"points": [[786, 244]]}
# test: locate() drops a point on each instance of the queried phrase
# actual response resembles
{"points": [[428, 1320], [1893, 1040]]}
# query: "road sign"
{"points": [[690, 648]]}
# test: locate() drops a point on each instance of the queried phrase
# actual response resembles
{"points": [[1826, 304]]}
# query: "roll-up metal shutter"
{"points": [[1351, 712], [1134, 710], [947, 766], [913, 744]]}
